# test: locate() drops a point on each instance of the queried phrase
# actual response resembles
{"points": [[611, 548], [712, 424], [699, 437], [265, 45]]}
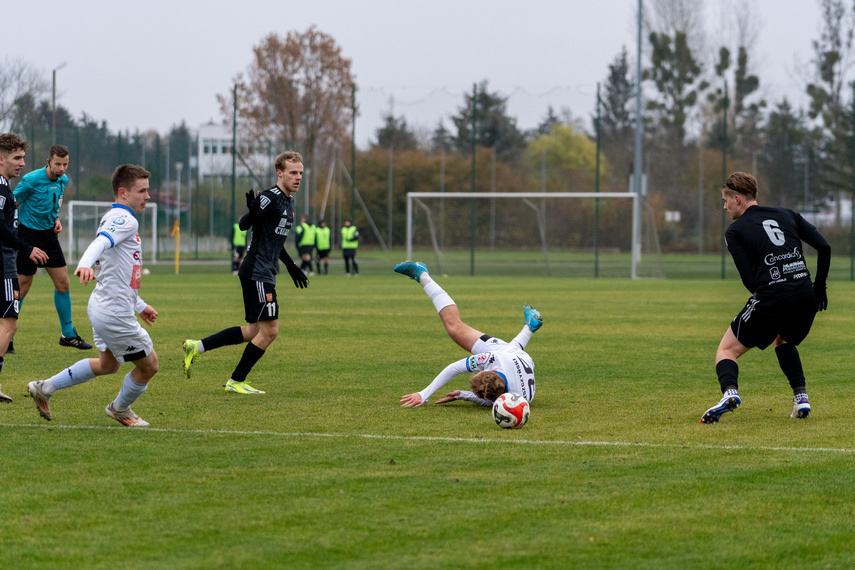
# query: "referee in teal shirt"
{"points": [[39, 196]]}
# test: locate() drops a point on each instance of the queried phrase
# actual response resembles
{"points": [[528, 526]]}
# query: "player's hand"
{"points": [[412, 401], [450, 397], [57, 226], [38, 256], [86, 274], [300, 279], [819, 289], [252, 203], [148, 314]]}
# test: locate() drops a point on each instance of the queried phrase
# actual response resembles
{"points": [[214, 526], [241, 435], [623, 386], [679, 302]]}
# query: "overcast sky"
{"points": [[151, 64]]}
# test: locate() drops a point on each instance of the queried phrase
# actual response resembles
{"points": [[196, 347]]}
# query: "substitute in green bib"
{"points": [[323, 245], [305, 237], [349, 243], [238, 246]]}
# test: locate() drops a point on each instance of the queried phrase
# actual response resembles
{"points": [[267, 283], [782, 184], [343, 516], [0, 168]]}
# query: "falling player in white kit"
{"points": [[499, 366], [116, 253]]}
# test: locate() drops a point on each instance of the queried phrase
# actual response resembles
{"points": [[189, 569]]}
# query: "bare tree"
{"points": [[296, 90], [18, 80]]}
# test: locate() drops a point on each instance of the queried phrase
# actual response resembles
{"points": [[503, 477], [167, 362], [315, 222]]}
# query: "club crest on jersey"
{"points": [[119, 222], [263, 202], [2, 202]]}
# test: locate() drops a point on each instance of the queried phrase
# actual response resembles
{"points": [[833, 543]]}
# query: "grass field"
{"points": [[613, 470]]}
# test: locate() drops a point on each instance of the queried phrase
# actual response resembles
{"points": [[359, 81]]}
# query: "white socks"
{"points": [[77, 373], [524, 336], [128, 394], [437, 294]]}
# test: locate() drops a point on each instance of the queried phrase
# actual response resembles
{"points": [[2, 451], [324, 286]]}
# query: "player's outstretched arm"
{"points": [[412, 401], [450, 397]]}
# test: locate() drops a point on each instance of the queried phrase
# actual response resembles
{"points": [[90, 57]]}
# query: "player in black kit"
{"points": [[766, 245], [271, 215]]}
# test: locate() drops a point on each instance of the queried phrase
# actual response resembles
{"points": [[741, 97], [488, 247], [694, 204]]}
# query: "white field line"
{"points": [[447, 439]]}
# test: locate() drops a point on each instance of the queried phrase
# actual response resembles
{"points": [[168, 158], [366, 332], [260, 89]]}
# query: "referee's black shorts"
{"points": [[45, 240], [758, 325]]}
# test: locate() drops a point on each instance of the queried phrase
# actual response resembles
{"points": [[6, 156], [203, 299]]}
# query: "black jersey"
{"points": [[10, 243], [269, 231], [766, 245]]}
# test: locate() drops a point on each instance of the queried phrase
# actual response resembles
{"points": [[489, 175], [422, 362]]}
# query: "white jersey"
{"points": [[508, 360], [116, 253]]}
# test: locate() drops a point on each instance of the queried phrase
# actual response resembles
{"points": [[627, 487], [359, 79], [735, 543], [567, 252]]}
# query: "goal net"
{"points": [[570, 234], [81, 225]]}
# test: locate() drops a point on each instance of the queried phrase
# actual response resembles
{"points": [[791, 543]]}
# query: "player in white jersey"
{"points": [[499, 366], [116, 253]]}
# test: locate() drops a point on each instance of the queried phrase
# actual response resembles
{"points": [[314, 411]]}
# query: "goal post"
{"points": [[82, 225], [535, 233]]}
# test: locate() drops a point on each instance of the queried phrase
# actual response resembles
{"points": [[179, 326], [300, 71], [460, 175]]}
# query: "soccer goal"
{"points": [[82, 226], [567, 234]]}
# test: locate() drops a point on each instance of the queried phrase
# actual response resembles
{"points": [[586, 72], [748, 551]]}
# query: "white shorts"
{"points": [[121, 335], [488, 345]]}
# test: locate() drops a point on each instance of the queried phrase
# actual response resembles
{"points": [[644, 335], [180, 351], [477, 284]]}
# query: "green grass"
{"points": [[613, 470]]}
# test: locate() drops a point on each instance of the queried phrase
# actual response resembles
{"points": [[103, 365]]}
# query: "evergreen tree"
{"points": [[493, 128]]}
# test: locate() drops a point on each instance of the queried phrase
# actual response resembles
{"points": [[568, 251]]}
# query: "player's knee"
{"points": [[106, 368]]}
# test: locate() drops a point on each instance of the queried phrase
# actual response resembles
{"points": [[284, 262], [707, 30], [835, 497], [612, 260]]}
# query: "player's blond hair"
{"points": [[287, 156], [487, 385]]}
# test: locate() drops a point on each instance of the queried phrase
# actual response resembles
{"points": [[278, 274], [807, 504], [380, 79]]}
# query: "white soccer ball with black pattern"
{"points": [[511, 411]]}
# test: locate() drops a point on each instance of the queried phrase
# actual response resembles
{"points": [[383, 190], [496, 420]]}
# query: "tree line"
{"points": [[700, 115]]}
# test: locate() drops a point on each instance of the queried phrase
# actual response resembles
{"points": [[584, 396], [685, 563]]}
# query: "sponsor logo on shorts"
{"points": [[269, 297]]}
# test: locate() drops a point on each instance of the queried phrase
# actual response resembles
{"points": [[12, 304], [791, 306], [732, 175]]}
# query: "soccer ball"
{"points": [[510, 411]]}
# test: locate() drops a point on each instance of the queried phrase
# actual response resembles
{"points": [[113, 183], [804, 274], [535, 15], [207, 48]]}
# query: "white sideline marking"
{"points": [[446, 439]]}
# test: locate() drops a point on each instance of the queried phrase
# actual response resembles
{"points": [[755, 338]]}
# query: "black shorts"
{"points": [[323, 253], [758, 326], [259, 300], [238, 251], [305, 250], [9, 299], [349, 253], [45, 240]]}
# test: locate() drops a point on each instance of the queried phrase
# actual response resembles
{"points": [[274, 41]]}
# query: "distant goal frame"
{"points": [[150, 208], [636, 211]]}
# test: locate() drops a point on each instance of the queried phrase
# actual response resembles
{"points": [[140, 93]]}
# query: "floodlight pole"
{"points": [[724, 176], [53, 103], [636, 180], [234, 151]]}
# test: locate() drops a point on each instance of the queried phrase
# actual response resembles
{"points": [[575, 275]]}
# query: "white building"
{"points": [[215, 155]]}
